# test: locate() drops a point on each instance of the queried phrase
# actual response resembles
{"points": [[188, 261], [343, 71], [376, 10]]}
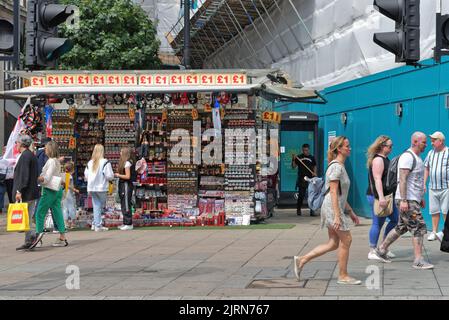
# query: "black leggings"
{"points": [[126, 192]]}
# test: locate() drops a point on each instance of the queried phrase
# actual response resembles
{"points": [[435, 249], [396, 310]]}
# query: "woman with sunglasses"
{"points": [[377, 164], [336, 213]]}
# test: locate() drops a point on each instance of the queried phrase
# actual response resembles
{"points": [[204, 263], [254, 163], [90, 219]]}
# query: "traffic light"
{"points": [[6, 36], [43, 46], [442, 36], [404, 41]]}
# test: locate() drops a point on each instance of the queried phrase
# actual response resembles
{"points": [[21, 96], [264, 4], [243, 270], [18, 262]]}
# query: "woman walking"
{"points": [[378, 163], [98, 173], [333, 213], [51, 196], [126, 171]]}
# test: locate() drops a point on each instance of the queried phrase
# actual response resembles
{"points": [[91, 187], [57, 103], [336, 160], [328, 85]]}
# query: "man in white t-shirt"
{"points": [[437, 169], [410, 199]]}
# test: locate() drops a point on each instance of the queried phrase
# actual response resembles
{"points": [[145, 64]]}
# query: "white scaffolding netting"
{"points": [[342, 47]]}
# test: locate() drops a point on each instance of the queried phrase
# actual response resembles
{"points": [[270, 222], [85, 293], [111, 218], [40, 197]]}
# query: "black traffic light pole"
{"points": [[186, 34], [15, 58]]}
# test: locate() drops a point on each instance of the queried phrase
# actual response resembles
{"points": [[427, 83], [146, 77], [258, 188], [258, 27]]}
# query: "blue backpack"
{"points": [[316, 190]]}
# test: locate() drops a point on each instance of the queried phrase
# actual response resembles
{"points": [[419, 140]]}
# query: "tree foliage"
{"points": [[111, 35]]}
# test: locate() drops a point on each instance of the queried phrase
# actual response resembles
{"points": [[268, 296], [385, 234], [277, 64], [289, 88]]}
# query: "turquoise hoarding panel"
{"points": [[291, 143], [370, 104]]}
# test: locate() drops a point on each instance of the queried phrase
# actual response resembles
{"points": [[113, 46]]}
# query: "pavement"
{"points": [[213, 264]]}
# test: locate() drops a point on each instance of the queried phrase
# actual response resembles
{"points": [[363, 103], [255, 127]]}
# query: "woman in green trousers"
{"points": [[50, 198]]}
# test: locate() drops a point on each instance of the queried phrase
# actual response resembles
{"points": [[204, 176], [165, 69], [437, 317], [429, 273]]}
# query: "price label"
{"points": [[161, 80], [207, 80], [146, 80], [129, 80], [113, 80], [132, 113], [83, 80], [72, 143], [53, 80], [207, 107], [177, 79], [194, 114], [223, 79], [98, 80], [238, 79], [37, 81], [101, 113], [72, 112], [67, 80], [192, 79], [271, 117]]}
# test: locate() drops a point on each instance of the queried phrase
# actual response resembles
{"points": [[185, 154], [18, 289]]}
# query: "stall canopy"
{"points": [[272, 84]]}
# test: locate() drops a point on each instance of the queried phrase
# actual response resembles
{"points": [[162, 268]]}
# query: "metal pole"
{"points": [[258, 33], [288, 26], [16, 60], [274, 26], [187, 34], [300, 19], [242, 32]]}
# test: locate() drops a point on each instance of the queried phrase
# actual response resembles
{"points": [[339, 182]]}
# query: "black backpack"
{"points": [[392, 173]]}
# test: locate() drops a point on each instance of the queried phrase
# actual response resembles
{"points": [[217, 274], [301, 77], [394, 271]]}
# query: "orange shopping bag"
{"points": [[18, 219]]}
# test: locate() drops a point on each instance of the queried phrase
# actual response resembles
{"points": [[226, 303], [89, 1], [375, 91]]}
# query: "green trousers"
{"points": [[50, 199]]}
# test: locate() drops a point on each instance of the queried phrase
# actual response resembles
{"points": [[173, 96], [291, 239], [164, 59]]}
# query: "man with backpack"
{"points": [[306, 168], [409, 199]]}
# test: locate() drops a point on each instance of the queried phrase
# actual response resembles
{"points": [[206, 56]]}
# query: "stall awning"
{"points": [[261, 81]]}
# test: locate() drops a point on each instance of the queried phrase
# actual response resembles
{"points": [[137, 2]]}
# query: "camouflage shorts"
{"points": [[412, 220]]}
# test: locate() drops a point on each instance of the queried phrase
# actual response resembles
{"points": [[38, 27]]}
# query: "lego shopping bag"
{"points": [[18, 219]]}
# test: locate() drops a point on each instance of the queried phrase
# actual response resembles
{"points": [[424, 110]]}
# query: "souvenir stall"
{"points": [[166, 118]]}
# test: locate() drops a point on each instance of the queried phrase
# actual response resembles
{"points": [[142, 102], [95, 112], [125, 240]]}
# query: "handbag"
{"points": [[54, 183], [18, 218], [378, 211], [384, 212]]}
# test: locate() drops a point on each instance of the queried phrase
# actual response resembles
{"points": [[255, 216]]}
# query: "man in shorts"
{"points": [[436, 168], [410, 200]]}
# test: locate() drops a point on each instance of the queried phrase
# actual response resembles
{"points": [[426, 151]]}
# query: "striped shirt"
{"points": [[438, 164]]}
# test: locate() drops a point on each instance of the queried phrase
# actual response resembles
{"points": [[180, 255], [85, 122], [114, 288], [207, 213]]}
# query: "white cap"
{"points": [[438, 135]]}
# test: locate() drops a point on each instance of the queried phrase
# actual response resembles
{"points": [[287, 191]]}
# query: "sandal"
{"points": [[297, 269], [350, 281]]}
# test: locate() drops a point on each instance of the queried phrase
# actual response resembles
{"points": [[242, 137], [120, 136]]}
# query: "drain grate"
{"points": [[281, 283]]}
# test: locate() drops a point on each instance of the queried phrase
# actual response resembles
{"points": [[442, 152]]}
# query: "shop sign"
{"points": [[152, 80], [271, 116]]}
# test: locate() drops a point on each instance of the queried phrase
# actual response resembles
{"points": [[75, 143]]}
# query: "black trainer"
{"points": [[23, 247], [299, 213], [36, 240]]}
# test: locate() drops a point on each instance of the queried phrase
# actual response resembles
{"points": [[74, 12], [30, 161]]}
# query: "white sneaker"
{"points": [[101, 229], [391, 255], [440, 235], [92, 227], [432, 236], [373, 256], [125, 228], [120, 227]]}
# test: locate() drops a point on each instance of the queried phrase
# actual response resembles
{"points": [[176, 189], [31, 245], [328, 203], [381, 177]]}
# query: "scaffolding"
{"points": [[219, 22]]}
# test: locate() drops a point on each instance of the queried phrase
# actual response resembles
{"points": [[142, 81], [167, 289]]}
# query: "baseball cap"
{"points": [[437, 135], [25, 140]]}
